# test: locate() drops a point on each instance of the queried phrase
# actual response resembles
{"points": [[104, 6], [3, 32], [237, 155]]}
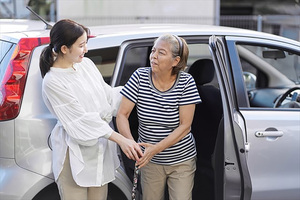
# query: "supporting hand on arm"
{"points": [[131, 149]]}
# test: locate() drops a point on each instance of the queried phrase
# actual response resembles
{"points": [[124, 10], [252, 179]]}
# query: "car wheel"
{"points": [[114, 193], [48, 193]]}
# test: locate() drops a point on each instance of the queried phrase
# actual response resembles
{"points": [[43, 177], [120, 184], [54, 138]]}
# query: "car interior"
{"points": [[207, 117]]}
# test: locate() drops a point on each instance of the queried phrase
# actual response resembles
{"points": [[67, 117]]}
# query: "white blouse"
{"points": [[83, 105]]}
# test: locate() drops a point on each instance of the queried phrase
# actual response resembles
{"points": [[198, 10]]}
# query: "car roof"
{"points": [[14, 29], [20, 25], [136, 31]]}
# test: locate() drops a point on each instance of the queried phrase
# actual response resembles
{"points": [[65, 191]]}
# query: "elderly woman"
{"points": [[165, 97]]}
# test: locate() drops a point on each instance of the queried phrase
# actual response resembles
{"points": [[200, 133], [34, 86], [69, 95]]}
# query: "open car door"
{"points": [[232, 179]]}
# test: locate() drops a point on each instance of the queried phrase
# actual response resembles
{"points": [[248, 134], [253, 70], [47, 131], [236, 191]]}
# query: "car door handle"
{"points": [[269, 133]]}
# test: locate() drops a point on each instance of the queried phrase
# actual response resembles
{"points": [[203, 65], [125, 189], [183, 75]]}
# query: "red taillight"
{"points": [[13, 83]]}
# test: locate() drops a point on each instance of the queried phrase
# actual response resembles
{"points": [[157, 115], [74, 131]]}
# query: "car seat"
{"points": [[205, 126]]}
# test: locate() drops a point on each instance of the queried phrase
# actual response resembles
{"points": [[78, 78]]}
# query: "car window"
{"points": [[105, 60], [135, 57], [198, 51], [268, 72]]}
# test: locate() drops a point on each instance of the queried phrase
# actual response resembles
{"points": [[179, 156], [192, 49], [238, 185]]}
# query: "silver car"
{"points": [[247, 129]]}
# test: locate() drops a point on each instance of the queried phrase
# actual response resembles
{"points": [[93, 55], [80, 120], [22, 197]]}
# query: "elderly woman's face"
{"points": [[161, 57]]}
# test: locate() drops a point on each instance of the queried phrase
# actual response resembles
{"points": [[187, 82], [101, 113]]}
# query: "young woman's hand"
{"points": [[131, 149]]}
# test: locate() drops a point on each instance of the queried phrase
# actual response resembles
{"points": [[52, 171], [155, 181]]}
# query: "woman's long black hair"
{"points": [[64, 32]]}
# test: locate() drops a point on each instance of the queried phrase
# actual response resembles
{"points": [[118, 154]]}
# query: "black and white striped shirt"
{"points": [[158, 112]]}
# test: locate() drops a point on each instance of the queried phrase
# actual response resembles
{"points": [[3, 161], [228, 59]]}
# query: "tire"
{"points": [[48, 193], [114, 193]]}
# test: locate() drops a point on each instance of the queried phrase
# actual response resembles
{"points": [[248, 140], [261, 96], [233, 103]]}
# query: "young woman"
{"points": [[165, 97], [84, 156]]}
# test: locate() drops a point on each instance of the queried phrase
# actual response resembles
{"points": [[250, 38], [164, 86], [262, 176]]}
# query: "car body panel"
{"points": [[20, 183], [7, 139], [274, 163]]}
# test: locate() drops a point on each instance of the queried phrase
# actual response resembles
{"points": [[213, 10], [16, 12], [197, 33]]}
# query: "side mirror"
{"points": [[250, 80]]}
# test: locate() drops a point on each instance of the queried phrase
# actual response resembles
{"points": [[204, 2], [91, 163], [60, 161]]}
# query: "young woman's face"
{"points": [[161, 58], [76, 52]]}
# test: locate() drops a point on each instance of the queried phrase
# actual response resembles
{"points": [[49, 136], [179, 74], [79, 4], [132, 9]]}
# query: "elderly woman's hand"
{"points": [[150, 151]]}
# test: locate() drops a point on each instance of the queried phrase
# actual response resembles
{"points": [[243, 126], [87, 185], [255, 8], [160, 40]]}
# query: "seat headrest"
{"points": [[203, 71]]}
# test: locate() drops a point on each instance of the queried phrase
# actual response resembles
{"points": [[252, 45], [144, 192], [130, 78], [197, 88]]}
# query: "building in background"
{"points": [[98, 12], [279, 17], [272, 16], [91, 12]]}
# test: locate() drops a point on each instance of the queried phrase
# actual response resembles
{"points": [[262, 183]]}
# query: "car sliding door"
{"points": [[232, 179]]}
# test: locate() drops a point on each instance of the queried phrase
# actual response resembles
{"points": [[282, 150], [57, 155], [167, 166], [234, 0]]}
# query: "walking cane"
{"points": [[135, 182]]}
